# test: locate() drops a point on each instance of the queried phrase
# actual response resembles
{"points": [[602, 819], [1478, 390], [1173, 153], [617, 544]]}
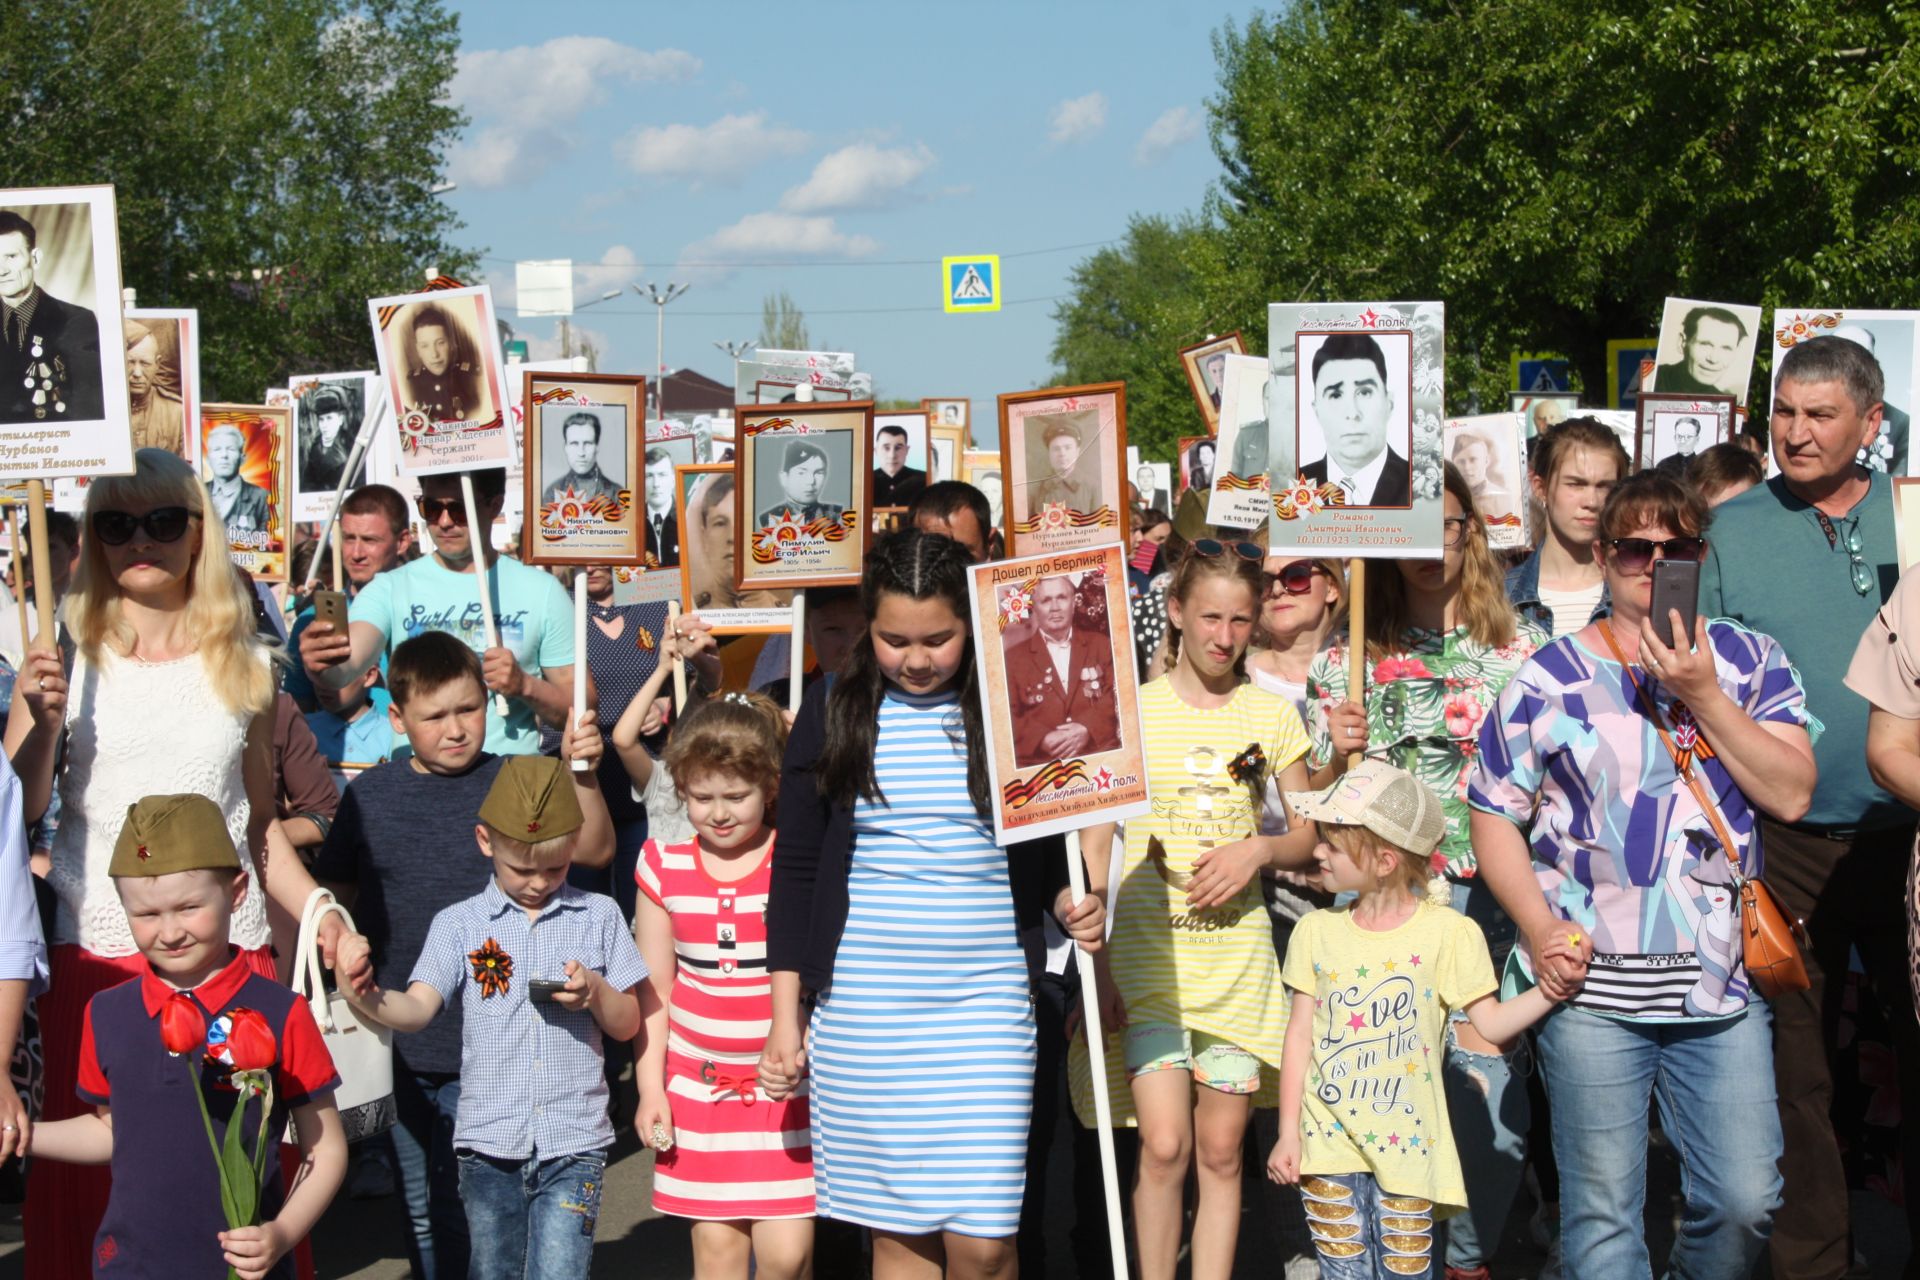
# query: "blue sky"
{"points": [[641, 139]]}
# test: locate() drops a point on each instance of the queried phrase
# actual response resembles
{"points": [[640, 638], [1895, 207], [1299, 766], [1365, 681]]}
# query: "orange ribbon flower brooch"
{"points": [[492, 969]]}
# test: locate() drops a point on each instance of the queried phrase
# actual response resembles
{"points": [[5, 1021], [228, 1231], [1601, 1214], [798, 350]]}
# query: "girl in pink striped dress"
{"points": [[728, 1157]]}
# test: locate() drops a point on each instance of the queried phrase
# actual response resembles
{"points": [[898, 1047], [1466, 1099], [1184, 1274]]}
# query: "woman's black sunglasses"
{"points": [[163, 524], [1635, 554]]}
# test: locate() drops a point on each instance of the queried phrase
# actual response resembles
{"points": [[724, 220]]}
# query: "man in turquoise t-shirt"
{"points": [[532, 665], [1808, 558]]}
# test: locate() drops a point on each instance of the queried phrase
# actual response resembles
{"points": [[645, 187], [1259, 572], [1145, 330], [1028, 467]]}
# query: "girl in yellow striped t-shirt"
{"points": [[1190, 973]]}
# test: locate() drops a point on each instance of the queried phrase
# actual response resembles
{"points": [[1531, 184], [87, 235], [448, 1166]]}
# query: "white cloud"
{"points": [[1176, 127], [774, 235], [618, 267], [862, 176], [524, 98], [1078, 119], [727, 150]]}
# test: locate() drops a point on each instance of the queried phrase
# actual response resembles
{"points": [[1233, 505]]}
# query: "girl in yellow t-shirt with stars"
{"points": [[1363, 1113]]}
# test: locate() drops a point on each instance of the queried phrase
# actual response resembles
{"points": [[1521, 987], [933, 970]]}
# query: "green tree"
{"points": [[274, 160], [783, 326], [1130, 308], [1553, 170]]}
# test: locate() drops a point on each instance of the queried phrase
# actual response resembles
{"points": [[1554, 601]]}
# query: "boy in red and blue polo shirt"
{"points": [[149, 1042]]}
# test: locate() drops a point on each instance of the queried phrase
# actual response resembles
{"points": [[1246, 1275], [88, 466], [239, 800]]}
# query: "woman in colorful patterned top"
{"points": [[1573, 765], [1442, 642]]}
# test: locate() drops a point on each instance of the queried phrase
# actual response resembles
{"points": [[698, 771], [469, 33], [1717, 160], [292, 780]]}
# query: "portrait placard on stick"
{"points": [[981, 469], [1492, 459], [63, 372], [949, 411], [243, 459], [1205, 365], [707, 509], [1677, 426], [1065, 449], [1197, 455], [946, 444], [584, 458], [445, 379], [328, 412], [1706, 348], [1354, 411], [900, 458], [1242, 490], [163, 378], [1063, 752], [803, 475], [1544, 410], [1893, 339]]}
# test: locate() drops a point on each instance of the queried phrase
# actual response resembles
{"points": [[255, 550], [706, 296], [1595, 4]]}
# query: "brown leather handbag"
{"points": [[1771, 939]]}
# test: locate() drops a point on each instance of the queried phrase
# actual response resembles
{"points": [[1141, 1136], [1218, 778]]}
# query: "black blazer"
{"points": [[1393, 489], [813, 846], [667, 550], [70, 346]]}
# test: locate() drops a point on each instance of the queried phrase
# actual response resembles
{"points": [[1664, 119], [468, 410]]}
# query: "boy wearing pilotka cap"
{"points": [[198, 1014], [543, 971]]}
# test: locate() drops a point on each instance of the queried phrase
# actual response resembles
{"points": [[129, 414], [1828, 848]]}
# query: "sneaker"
{"points": [[1304, 1267]]}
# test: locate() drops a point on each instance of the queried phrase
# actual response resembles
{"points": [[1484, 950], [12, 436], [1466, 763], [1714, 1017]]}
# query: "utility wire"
{"points": [[850, 262]]}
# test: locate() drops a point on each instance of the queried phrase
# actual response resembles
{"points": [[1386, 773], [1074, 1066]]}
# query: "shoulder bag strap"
{"points": [[1680, 763]]}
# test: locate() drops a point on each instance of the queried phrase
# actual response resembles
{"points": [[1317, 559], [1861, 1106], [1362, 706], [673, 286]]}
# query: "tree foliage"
{"points": [[783, 326], [274, 160], [1553, 170]]}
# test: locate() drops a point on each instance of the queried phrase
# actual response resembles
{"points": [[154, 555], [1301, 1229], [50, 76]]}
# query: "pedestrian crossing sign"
{"points": [[971, 282]]}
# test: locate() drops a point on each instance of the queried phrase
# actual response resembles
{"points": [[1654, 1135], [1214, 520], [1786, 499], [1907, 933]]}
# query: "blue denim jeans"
{"points": [[1362, 1233], [1714, 1085], [429, 1179], [536, 1216], [1487, 1102]]}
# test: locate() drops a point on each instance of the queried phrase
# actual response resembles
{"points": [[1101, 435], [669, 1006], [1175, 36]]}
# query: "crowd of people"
{"points": [[1415, 945]]}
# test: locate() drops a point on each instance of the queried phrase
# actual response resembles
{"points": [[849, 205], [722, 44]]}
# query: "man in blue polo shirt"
{"points": [[1809, 558]]}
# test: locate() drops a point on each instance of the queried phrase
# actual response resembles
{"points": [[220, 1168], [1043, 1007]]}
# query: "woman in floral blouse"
{"points": [[1442, 642]]}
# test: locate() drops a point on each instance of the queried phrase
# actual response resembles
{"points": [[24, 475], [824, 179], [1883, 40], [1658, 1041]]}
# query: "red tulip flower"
{"points": [[183, 1028], [250, 1042]]}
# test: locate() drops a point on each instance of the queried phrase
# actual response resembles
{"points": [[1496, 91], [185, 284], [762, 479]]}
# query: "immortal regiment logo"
{"points": [[780, 426], [788, 540], [1804, 328], [1301, 498], [1057, 515], [573, 516]]}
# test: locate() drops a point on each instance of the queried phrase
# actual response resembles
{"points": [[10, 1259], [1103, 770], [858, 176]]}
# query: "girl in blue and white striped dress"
{"points": [[892, 904]]}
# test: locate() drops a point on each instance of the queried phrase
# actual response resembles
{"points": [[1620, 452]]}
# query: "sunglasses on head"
{"points": [[1212, 548], [163, 524], [1635, 554], [431, 509], [1295, 579]]}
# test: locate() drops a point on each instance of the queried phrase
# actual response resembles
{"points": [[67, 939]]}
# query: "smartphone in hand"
{"points": [[331, 607], [1676, 585]]}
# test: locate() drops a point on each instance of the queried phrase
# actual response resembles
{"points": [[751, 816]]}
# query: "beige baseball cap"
{"points": [[1386, 800]]}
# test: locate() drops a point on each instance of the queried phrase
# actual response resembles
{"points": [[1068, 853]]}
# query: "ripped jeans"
{"points": [[1362, 1233], [532, 1219], [1487, 1102]]}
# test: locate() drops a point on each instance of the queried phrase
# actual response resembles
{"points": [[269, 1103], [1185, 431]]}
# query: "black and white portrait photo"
{"points": [[583, 453], [328, 412], [163, 378], [948, 412], [1706, 348], [802, 478], [1206, 368], [899, 458], [1355, 428], [446, 375], [804, 474], [662, 458], [1489, 453], [1196, 462], [1670, 429]]}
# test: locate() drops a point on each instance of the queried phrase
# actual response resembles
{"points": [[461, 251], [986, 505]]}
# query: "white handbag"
{"points": [[362, 1049]]}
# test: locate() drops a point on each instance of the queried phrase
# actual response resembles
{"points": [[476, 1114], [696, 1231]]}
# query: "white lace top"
{"points": [[138, 729]]}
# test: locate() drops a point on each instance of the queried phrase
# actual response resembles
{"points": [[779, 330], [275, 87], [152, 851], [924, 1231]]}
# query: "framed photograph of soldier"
{"points": [[1061, 700], [697, 427], [1196, 460], [1544, 410], [328, 411], [1355, 403], [1705, 348], [947, 445], [243, 459], [949, 411], [163, 377], [900, 458], [1893, 339], [981, 469], [659, 533], [1669, 429], [707, 507], [803, 473], [1206, 366], [1491, 454], [64, 409], [445, 379], [583, 465], [1065, 449], [1241, 497]]}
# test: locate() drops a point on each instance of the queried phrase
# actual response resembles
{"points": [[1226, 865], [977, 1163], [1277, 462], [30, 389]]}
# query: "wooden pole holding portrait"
{"points": [[360, 443], [42, 563], [679, 664], [479, 541], [1357, 642], [579, 656], [19, 580], [797, 652]]}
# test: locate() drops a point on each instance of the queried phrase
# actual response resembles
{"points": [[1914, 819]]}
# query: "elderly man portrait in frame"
{"points": [[663, 534], [804, 471], [242, 507], [1888, 451], [1710, 363], [895, 484], [159, 418], [1152, 496], [1354, 404], [580, 436], [1061, 680], [444, 379], [1072, 477], [49, 349]]}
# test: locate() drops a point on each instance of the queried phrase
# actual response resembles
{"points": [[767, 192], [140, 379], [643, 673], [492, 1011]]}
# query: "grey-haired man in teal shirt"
{"points": [[1809, 558]]}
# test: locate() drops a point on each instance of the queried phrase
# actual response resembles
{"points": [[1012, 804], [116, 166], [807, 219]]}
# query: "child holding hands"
{"points": [[1373, 984], [544, 971], [729, 1157]]}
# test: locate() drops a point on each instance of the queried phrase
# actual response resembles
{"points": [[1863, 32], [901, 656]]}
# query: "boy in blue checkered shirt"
{"points": [[543, 971]]}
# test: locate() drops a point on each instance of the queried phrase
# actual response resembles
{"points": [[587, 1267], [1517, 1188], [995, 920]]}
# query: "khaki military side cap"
{"points": [[165, 834], [532, 800]]}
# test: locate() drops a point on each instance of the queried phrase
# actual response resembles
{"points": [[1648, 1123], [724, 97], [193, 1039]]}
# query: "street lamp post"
{"points": [[566, 322], [734, 351], [660, 298]]}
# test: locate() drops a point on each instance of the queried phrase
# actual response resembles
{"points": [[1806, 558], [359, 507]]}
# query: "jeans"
{"points": [[1487, 1101], [1362, 1233], [536, 1216], [1714, 1085], [429, 1179]]}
